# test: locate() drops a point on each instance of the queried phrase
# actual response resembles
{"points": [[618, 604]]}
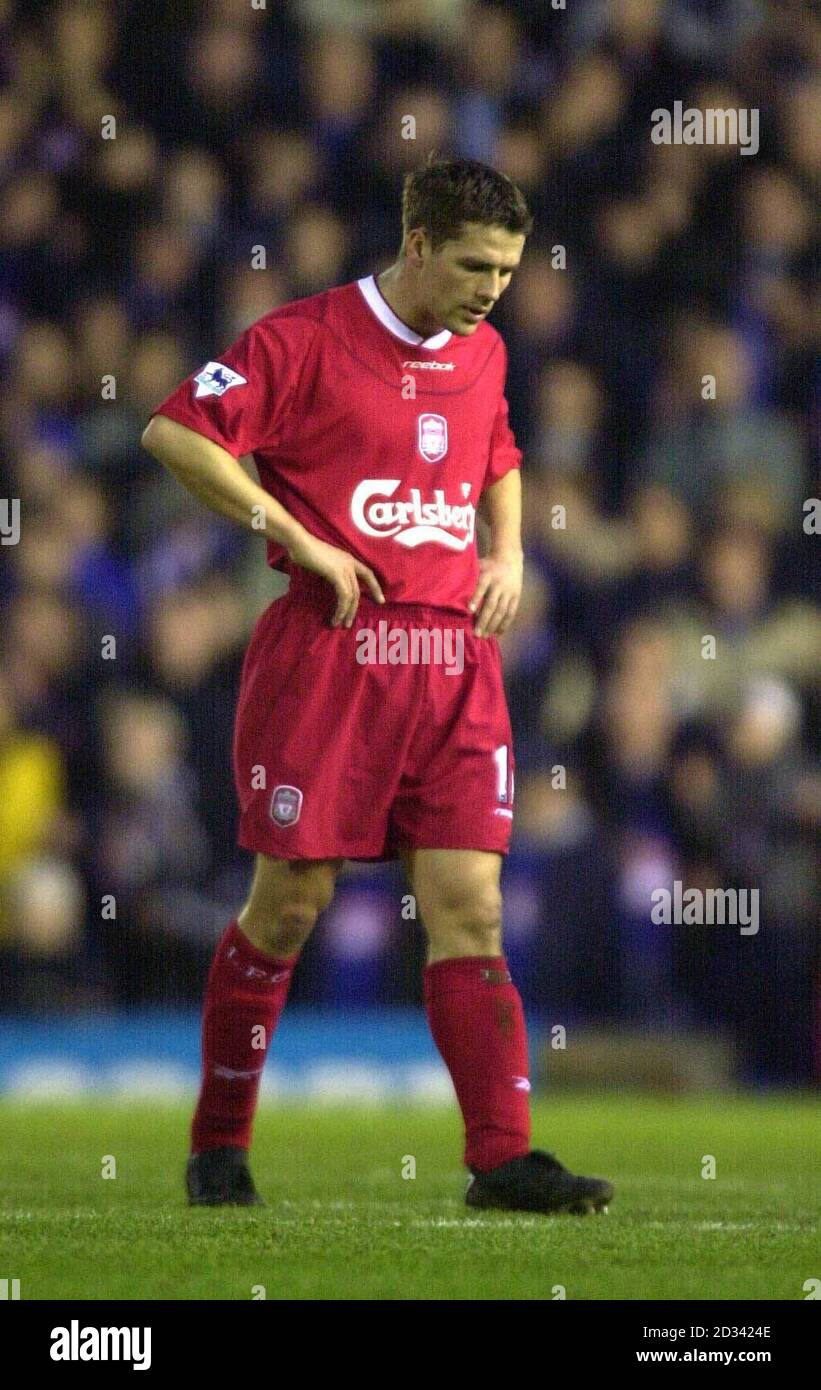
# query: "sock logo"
{"points": [[520, 1083], [255, 972], [504, 1016], [231, 1075]]}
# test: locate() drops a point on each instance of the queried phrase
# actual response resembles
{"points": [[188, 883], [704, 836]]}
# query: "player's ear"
{"points": [[416, 240]]}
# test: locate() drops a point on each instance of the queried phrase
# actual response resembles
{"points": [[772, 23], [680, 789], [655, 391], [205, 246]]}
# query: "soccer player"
{"points": [[376, 416]]}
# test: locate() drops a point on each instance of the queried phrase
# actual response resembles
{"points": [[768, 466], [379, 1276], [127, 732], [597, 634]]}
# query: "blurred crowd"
{"points": [[664, 386]]}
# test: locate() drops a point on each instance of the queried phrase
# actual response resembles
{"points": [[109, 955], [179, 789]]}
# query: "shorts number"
{"points": [[504, 778]]}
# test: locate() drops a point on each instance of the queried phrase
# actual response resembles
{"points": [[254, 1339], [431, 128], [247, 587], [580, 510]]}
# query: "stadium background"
{"points": [[132, 258]]}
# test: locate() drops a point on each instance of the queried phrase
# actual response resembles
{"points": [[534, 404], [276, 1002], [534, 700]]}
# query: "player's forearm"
{"points": [[216, 479], [502, 507]]}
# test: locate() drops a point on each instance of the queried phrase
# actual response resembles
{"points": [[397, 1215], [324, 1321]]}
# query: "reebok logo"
{"points": [[429, 366]]}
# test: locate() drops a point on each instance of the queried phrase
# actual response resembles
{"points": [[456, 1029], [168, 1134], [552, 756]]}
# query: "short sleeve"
{"points": [[504, 452], [241, 400]]}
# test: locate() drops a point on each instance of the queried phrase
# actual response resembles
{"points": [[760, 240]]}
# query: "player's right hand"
{"points": [[341, 570]]}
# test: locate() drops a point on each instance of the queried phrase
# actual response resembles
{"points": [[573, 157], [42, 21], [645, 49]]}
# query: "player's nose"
{"points": [[490, 292]]}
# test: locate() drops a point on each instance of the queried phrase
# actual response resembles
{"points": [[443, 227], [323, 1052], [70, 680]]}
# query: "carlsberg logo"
{"points": [[412, 522]]}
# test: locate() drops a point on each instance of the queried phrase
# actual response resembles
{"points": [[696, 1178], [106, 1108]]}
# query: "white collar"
{"points": [[383, 311]]}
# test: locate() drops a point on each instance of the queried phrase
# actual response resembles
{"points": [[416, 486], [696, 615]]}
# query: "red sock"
{"points": [[478, 1024], [244, 998]]}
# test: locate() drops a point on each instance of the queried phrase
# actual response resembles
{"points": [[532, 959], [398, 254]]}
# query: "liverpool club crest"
{"points": [[433, 437], [286, 804]]}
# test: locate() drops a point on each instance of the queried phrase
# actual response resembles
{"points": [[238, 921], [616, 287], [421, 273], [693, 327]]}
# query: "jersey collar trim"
{"points": [[383, 311]]}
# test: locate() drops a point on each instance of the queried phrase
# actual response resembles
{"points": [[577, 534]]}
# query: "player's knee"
{"points": [[281, 930], [475, 919], [296, 920], [285, 902], [284, 930], [483, 925]]}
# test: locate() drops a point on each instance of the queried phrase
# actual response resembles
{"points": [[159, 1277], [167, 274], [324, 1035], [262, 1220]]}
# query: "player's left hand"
{"points": [[497, 594]]}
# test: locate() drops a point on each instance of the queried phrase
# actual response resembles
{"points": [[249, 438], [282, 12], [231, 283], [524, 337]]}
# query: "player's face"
{"points": [[464, 277]]}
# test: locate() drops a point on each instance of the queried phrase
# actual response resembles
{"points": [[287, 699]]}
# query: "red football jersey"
{"points": [[377, 440]]}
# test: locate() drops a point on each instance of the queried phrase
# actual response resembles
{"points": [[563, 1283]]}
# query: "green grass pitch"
{"points": [[343, 1223]]}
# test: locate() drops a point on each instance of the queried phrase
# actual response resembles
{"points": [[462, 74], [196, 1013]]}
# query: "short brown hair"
{"points": [[445, 193]]}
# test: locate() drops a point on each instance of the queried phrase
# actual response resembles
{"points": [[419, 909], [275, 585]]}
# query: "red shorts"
{"points": [[341, 753]]}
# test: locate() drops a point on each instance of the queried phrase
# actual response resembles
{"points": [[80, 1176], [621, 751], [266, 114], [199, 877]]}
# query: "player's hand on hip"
{"points": [[497, 593], [341, 570]]}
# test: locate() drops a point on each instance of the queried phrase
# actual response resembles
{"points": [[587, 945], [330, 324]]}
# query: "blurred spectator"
{"points": [[32, 794], [713, 432]]}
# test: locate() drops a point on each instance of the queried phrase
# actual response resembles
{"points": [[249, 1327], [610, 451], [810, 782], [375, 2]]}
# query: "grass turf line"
{"points": [[342, 1223]]}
